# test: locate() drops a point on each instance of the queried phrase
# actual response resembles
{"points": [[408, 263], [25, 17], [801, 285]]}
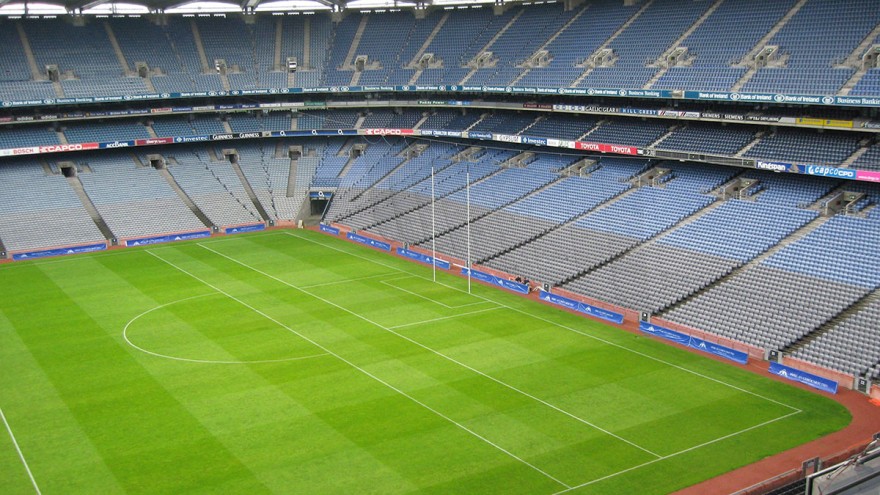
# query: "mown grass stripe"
{"points": [[20, 453], [367, 373], [444, 356]]}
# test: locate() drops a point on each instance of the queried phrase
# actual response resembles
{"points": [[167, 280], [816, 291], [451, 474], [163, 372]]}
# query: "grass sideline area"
{"points": [[293, 362]]}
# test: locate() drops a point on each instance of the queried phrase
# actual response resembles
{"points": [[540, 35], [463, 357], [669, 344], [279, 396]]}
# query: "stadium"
{"points": [[382, 246]]}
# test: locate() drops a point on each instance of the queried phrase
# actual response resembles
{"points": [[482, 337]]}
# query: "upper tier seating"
{"points": [[709, 138], [25, 136], [641, 43], [806, 147], [721, 43], [814, 43], [822, 34]]}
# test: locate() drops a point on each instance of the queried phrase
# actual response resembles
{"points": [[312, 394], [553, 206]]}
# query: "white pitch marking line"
{"points": [[444, 318], [438, 353], [560, 325], [232, 237], [633, 468], [387, 282], [365, 372], [338, 282], [20, 454], [201, 361]]}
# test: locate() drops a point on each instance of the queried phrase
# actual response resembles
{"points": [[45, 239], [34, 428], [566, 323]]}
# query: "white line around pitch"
{"points": [[440, 354], [638, 466], [339, 282], [415, 323], [363, 371], [20, 454], [560, 325], [199, 361], [447, 306]]}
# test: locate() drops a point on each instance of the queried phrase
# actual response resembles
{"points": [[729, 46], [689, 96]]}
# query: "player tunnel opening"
{"points": [[318, 202], [68, 169]]}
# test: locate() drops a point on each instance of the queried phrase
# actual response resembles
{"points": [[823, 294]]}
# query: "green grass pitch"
{"points": [[292, 362]]}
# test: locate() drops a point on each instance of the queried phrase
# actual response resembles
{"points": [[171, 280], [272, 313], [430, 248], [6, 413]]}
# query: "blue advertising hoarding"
{"points": [[695, 342], [58, 252], [719, 350], [245, 228], [534, 140], [499, 281], [146, 241], [665, 333], [369, 242], [328, 229], [479, 135], [808, 379], [423, 258], [823, 171], [582, 307]]}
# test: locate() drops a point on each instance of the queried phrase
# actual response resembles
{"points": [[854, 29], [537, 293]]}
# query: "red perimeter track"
{"points": [[865, 416]]}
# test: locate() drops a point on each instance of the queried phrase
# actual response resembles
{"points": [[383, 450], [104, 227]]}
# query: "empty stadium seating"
{"points": [[213, 186], [817, 44], [40, 211], [124, 194]]}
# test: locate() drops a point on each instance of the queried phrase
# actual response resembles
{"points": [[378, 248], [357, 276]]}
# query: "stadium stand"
{"points": [[708, 138], [870, 160], [123, 194], [538, 45], [91, 132], [40, 211], [850, 346], [24, 136], [213, 186], [561, 126], [717, 47], [622, 131], [806, 147], [819, 36]]}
